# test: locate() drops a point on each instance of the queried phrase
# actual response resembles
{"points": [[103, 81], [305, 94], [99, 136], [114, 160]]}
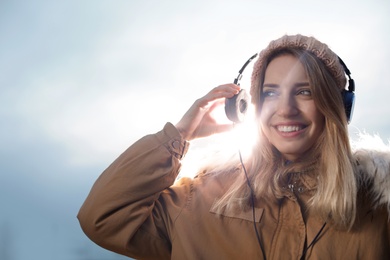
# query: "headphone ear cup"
{"points": [[349, 102], [237, 106]]}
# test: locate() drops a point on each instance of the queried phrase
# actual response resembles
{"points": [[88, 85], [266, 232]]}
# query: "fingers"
{"points": [[225, 91], [197, 121], [222, 91]]}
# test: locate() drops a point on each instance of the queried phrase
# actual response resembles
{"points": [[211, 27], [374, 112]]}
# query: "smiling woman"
{"points": [[301, 194]]}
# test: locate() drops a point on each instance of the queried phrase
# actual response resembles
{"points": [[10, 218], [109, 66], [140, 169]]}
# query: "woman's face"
{"points": [[289, 117]]}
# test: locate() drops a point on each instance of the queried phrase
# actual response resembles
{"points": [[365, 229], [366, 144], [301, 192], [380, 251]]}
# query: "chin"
{"points": [[292, 154]]}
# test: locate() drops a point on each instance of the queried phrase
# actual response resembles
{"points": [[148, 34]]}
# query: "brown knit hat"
{"points": [[319, 49]]}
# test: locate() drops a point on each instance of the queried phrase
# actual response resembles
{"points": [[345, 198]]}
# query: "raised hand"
{"points": [[198, 122]]}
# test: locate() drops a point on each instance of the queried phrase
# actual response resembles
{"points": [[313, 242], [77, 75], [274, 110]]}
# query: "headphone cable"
{"points": [[259, 240], [253, 206]]}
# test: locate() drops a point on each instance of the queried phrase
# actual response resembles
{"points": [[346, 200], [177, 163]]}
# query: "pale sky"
{"points": [[82, 80]]}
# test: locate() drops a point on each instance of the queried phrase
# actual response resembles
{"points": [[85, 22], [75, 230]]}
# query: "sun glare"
{"points": [[219, 148], [242, 136]]}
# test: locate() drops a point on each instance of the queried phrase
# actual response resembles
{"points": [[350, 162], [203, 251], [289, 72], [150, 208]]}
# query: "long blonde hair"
{"points": [[335, 197]]}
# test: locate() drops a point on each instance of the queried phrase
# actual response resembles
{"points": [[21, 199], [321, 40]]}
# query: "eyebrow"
{"points": [[302, 84], [299, 84]]}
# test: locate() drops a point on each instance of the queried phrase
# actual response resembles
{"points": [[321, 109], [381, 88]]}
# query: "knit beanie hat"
{"points": [[310, 44]]}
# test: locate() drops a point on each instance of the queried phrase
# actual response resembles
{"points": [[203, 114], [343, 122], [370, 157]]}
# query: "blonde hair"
{"points": [[335, 196]]}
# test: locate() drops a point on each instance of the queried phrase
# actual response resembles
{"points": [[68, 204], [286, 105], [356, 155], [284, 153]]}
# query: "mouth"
{"points": [[290, 128]]}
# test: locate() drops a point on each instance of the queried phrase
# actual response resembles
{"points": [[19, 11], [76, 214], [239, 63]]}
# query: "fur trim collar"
{"points": [[373, 161]]}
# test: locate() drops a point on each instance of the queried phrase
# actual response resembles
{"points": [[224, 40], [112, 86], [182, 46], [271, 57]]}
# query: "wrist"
{"points": [[183, 133]]}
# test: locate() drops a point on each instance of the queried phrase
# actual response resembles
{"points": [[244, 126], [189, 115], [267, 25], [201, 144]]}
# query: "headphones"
{"points": [[237, 106]]}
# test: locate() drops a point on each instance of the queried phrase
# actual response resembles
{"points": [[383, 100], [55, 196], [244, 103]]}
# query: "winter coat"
{"points": [[135, 210]]}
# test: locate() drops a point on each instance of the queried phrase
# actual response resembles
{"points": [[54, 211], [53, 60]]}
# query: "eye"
{"points": [[269, 93], [305, 92]]}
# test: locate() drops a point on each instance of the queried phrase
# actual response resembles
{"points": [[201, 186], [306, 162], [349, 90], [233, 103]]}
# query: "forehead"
{"points": [[285, 68]]}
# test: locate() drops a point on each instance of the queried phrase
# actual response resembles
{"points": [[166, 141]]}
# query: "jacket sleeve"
{"points": [[122, 212]]}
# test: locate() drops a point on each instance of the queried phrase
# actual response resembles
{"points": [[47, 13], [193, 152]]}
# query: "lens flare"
{"points": [[220, 149]]}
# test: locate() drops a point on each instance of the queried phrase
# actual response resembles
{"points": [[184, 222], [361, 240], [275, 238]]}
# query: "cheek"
{"points": [[264, 122], [265, 113], [318, 119], [263, 119]]}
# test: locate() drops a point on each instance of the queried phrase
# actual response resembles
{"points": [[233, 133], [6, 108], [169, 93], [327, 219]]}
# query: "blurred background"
{"points": [[82, 80]]}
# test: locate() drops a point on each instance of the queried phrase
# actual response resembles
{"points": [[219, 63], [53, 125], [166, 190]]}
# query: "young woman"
{"points": [[303, 194]]}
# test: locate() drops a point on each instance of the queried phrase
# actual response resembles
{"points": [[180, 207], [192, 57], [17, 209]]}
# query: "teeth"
{"points": [[289, 128]]}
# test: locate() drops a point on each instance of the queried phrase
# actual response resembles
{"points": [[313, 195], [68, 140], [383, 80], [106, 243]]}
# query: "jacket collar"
{"points": [[372, 159]]}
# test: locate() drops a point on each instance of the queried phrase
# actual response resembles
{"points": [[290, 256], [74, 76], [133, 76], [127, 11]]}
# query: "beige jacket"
{"points": [[134, 210]]}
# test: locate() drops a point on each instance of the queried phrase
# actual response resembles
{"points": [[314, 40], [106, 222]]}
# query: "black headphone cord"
{"points": [[253, 206], [315, 239]]}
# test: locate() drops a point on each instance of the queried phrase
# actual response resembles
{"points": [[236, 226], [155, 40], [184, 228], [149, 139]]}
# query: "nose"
{"points": [[287, 106]]}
